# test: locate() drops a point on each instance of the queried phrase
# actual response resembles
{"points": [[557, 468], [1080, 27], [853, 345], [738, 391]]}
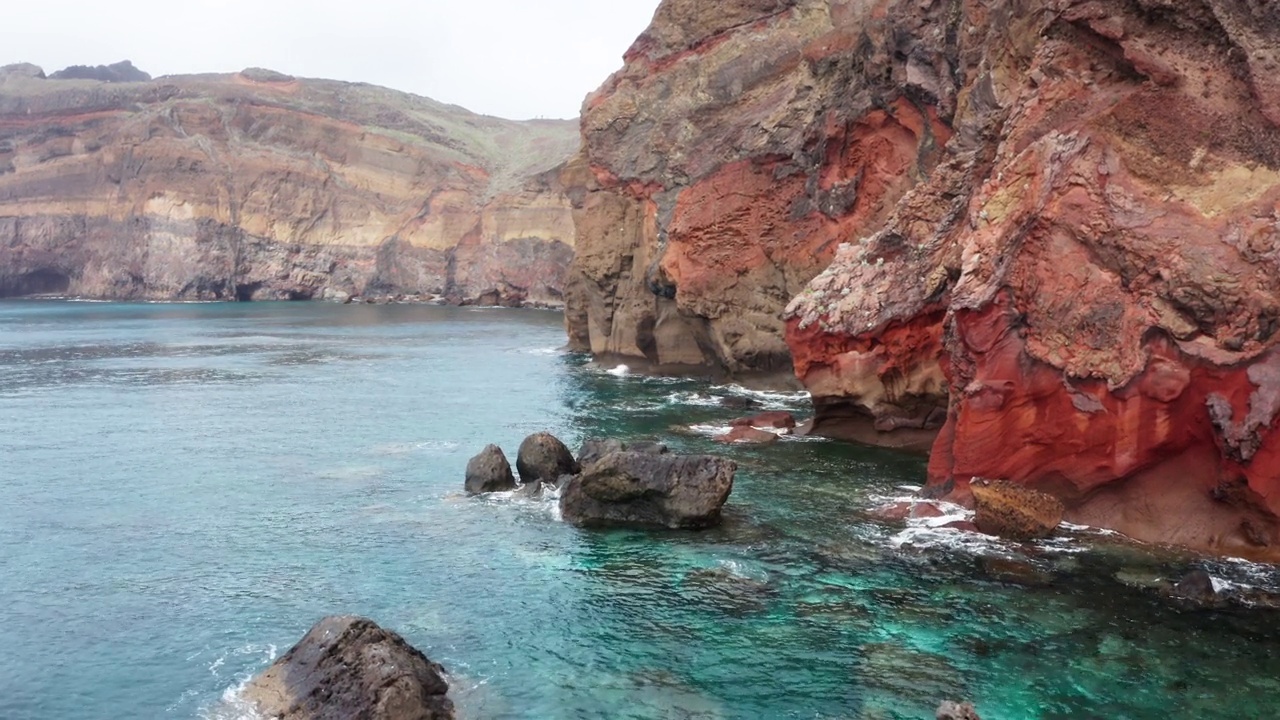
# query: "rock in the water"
{"points": [[348, 667], [531, 491], [957, 711], [645, 489], [595, 448], [489, 472], [543, 457], [1196, 586], [747, 434], [775, 419], [1014, 512], [738, 402]]}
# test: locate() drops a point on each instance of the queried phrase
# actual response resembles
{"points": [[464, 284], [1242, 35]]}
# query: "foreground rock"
{"points": [[347, 668], [489, 472], [261, 186], [1014, 512], [543, 458], [1048, 227], [649, 490]]}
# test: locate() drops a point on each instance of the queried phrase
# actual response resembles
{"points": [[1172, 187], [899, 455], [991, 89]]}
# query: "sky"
{"points": [[517, 59]]}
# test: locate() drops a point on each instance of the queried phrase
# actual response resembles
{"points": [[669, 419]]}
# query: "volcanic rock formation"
{"points": [[347, 667], [262, 186], [1051, 227]]}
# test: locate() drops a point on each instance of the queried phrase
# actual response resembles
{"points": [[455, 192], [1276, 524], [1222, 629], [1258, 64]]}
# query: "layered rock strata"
{"points": [[262, 186], [1050, 225]]}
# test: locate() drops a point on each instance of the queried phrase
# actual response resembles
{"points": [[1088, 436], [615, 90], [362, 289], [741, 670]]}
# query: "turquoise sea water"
{"points": [[185, 489]]}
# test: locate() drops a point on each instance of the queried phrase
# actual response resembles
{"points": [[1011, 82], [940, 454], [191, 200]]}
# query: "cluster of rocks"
{"points": [[611, 482]]}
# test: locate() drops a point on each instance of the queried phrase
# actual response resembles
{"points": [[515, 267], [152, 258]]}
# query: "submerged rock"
{"points": [[776, 419], [649, 490], [1197, 587], [347, 667], [543, 457], [957, 711], [489, 472], [1014, 512], [747, 434]]}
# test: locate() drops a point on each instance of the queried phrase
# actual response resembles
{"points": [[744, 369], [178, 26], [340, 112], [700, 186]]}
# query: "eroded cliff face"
{"points": [[261, 186], [740, 144], [1084, 295], [1051, 230]]}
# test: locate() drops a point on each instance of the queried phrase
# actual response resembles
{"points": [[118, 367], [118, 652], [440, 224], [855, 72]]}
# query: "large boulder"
{"points": [[349, 668], [649, 490], [489, 472], [595, 448], [1014, 512], [544, 458]]}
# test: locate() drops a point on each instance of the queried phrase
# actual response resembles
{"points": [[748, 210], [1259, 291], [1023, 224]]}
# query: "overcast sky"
{"points": [[512, 58]]}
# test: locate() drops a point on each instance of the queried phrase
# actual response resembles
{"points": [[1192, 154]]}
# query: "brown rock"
{"points": [[346, 668], [957, 711], [1014, 512], [489, 472], [747, 434], [544, 458], [649, 490]]}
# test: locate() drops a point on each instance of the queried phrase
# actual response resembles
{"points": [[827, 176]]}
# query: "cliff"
{"points": [[720, 170], [1049, 229], [258, 185]]}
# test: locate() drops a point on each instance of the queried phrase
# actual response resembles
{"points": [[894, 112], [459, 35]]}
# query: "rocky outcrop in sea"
{"points": [[347, 667], [1035, 238]]}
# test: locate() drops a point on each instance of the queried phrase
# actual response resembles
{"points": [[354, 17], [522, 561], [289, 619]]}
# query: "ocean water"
{"points": [[185, 489]]}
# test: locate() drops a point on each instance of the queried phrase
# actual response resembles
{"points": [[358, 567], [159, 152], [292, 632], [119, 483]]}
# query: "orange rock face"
{"points": [[1036, 238], [1082, 297], [261, 186]]}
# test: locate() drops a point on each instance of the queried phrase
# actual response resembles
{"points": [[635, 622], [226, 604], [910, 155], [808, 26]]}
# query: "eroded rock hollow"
{"points": [[1036, 237], [258, 185]]}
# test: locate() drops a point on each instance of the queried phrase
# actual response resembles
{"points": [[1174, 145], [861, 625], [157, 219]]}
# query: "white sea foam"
{"points": [[693, 398], [233, 705], [543, 351], [710, 429], [770, 399], [620, 371]]}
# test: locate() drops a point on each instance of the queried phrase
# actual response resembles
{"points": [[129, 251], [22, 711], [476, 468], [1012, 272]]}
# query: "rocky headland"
{"points": [[261, 186], [1037, 238]]}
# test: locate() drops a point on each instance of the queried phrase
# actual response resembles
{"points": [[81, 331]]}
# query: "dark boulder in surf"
{"points": [[489, 472], [649, 490], [348, 667], [544, 458]]}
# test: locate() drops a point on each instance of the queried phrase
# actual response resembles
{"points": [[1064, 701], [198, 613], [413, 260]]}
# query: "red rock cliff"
{"points": [[262, 186], [739, 145], [1051, 226]]}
